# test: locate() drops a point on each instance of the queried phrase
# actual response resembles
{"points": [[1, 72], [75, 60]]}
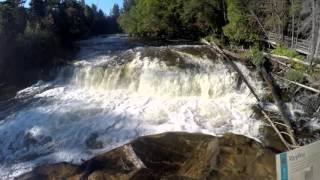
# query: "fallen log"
{"points": [[278, 132], [235, 67], [298, 84], [234, 55], [293, 60], [278, 101], [273, 125]]}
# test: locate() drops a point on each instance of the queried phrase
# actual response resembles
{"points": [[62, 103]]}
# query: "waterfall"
{"points": [[104, 100]]}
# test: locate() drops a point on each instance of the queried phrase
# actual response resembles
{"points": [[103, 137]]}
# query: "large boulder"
{"points": [[172, 156]]}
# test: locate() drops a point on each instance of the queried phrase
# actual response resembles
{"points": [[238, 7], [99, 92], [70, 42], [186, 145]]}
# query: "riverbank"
{"points": [[30, 67], [292, 85]]}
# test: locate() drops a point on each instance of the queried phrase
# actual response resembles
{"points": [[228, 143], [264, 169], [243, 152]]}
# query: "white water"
{"points": [[103, 101]]}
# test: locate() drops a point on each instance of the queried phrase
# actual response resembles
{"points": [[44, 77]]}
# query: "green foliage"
{"points": [[37, 11], [315, 75], [113, 25], [12, 20], [239, 28], [284, 51], [300, 67], [294, 75], [127, 4], [257, 57], [116, 11], [217, 40], [205, 16], [296, 7], [173, 18]]}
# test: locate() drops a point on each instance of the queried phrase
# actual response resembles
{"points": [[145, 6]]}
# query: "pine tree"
{"points": [[239, 28], [12, 19], [37, 13], [115, 11]]}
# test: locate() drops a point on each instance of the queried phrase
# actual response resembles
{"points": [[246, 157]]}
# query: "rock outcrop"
{"points": [[172, 156]]}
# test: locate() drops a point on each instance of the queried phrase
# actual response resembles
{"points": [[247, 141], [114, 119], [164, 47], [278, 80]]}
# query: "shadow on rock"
{"points": [[172, 156]]}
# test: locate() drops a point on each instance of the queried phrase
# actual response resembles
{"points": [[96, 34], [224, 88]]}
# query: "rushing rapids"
{"points": [[115, 92]]}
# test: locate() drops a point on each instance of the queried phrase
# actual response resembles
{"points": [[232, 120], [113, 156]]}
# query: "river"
{"points": [[116, 90]]}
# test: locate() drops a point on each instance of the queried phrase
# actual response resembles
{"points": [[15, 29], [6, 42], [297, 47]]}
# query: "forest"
{"points": [[44, 30], [235, 24], [40, 35], [239, 22]]}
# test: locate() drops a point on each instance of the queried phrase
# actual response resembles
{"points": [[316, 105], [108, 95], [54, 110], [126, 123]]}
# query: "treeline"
{"points": [[34, 38], [187, 19], [236, 21], [172, 18]]}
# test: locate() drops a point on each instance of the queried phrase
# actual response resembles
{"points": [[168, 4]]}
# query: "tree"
{"points": [[240, 28], [147, 18], [315, 32], [276, 16], [115, 11], [12, 19], [72, 19], [127, 4], [173, 18], [42, 32], [206, 17], [37, 12], [296, 6], [83, 3]]}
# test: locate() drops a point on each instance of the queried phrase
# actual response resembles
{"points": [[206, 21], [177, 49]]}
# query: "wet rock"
{"points": [[272, 140], [241, 158], [57, 171], [172, 156], [93, 143]]}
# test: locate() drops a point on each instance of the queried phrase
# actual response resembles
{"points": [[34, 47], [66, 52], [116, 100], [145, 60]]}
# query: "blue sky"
{"points": [[105, 5]]}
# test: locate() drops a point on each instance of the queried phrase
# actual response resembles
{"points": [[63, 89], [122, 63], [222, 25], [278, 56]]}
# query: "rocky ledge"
{"points": [[172, 156]]}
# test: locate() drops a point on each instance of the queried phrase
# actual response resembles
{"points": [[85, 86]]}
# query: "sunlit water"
{"points": [[115, 92]]}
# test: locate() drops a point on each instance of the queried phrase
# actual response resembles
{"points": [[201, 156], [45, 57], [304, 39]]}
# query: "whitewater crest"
{"points": [[104, 100]]}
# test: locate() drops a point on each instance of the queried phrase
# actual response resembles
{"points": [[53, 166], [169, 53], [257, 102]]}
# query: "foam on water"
{"points": [[101, 106]]}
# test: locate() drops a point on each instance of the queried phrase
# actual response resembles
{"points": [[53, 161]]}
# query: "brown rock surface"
{"points": [[172, 156]]}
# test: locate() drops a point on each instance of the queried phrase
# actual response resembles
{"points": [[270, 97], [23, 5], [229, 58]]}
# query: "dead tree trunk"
{"points": [[313, 34], [281, 106], [293, 24], [318, 44], [224, 7], [298, 31], [286, 122]]}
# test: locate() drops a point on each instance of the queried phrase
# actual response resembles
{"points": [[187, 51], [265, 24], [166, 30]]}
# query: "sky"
{"points": [[105, 5]]}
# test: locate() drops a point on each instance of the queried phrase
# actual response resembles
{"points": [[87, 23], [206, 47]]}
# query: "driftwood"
{"points": [[289, 59], [298, 84], [285, 65], [293, 60], [234, 55], [272, 124]]}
